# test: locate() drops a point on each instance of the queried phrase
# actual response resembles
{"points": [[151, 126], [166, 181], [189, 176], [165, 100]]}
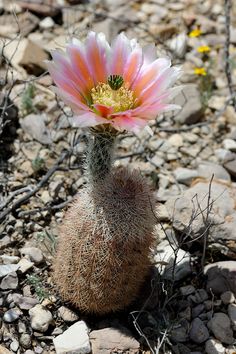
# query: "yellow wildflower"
{"points": [[200, 71], [203, 49], [195, 33]]}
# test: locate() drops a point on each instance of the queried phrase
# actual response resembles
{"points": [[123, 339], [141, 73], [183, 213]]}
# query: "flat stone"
{"points": [[185, 175], [198, 331], [10, 281], [74, 340], [110, 340], [40, 318], [213, 346], [9, 259], [220, 326], [6, 269], [25, 265], [24, 302], [207, 169]]}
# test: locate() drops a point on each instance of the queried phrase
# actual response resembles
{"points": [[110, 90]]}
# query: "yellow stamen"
{"points": [[200, 71], [121, 99], [195, 33], [204, 49]]}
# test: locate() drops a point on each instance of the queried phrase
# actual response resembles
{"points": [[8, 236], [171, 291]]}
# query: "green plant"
{"points": [[38, 164], [27, 105], [36, 284]]}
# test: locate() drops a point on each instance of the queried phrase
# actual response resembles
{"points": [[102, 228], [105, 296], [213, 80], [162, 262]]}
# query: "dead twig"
{"points": [[44, 180], [228, 5]]}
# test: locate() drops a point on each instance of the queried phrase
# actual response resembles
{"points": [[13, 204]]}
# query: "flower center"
{"points": [[113, 94]]}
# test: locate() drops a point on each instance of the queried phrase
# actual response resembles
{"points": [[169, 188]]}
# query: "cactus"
{"points": [[103, 254]]}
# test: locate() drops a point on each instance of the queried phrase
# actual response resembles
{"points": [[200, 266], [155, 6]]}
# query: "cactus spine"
{"points": [[103, 254]]}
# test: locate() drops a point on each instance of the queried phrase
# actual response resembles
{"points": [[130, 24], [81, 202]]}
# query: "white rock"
{"points": [[6, 269], [25, 265], [166, 261], [9, 259], [40, 318], [74, 340], [229, 144], [185, 175], [176, 140], [46, 23], [34, 253]]}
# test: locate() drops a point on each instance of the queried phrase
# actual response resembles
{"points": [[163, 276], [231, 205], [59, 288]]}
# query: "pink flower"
{"points": [[122, 84]]}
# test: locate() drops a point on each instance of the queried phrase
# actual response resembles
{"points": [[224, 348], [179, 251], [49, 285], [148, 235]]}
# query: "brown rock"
{"points": [[109, 340]]}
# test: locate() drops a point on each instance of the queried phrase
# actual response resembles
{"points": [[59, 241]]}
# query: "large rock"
{"points": [[110, 340], [190, 101], [74, 340], [40, 318], [220, 326], [26, 54], [172, 263], [221, 277], [34, 125], [195, 211]]}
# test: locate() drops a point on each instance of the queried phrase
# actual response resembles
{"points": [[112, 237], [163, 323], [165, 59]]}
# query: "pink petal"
{"points": [[80, 66], [125, 121], [163, 82], [133, 66], [120, 51], [149, 73], [64, 82], [76, 105], [97, 50], [88, 119]]}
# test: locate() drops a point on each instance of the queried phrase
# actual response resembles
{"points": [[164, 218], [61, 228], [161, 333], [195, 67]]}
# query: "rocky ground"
{"points": [[190, 162]]}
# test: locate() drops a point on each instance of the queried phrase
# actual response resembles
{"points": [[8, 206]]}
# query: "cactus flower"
{"points": [[120, 84]]}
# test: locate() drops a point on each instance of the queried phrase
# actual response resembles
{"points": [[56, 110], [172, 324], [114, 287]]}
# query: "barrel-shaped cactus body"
{"points": [[103, 253]]}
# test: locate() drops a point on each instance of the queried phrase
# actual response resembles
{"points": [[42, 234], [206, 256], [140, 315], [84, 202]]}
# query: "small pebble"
{"points": [[11, 315], [227, 297], [25, 340]]}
